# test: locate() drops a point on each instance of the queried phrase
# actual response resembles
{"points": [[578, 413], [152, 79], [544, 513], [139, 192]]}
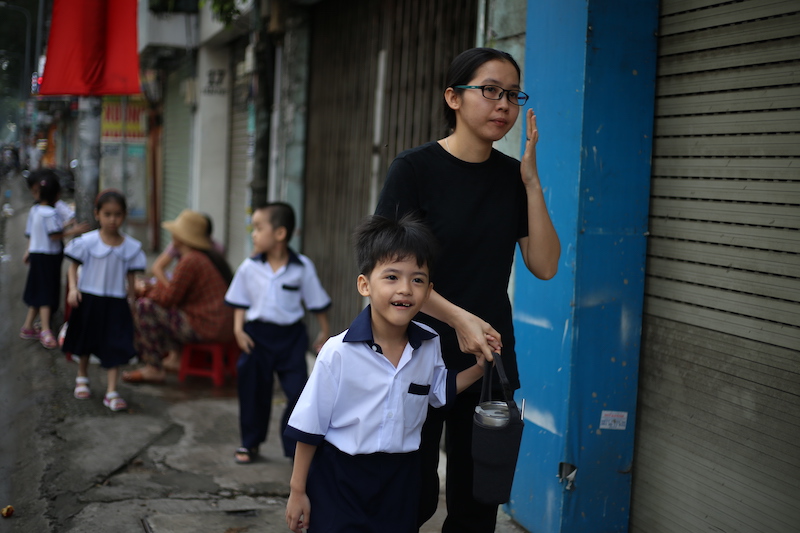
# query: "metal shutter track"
{"points": [[718, 429]]}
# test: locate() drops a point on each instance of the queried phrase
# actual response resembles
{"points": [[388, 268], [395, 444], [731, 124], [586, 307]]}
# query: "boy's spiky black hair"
{"points": [[379, 239]]}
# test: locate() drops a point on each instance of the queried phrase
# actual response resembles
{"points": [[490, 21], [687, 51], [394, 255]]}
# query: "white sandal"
{"points": [[114, 402], [82, 391]]}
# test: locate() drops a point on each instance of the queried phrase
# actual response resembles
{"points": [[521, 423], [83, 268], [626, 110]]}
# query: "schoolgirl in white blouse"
{"points": [[44, 255], [101, 322]]}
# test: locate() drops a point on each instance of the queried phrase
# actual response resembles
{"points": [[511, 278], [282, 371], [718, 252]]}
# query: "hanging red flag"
{"points": [[92, 49]]}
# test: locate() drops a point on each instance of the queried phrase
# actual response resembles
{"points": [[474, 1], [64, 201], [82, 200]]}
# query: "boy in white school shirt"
{"points": [[270, 293], [359, 419]]}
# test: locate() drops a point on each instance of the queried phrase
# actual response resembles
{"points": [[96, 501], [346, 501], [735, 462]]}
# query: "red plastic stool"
{"points": [[209, 359]]}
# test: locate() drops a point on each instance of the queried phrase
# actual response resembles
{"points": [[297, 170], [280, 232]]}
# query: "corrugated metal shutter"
{"points": [[420, 38], [718, 430], [177, 148], [240, 162]]}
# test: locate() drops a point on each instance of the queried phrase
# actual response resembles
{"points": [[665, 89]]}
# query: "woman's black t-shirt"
{"points": [[478, 212]]}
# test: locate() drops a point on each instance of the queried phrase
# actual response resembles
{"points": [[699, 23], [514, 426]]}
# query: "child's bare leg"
{"points": [[30, 317], [83, 366], [44, 311], [112, 399], [113, 375]]}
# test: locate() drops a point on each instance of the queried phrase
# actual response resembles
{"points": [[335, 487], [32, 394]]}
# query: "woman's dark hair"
{"points": [[49, 187], [220, 264], [210, 226], [111, 195], [463, 69], [382, 239]]}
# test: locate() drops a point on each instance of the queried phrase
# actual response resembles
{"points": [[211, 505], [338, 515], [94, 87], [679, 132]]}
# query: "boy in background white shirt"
{"points": [[270, 293]]}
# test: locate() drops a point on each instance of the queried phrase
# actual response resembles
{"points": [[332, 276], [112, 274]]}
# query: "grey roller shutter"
{"points": [[240, 168], [177, 148], [718, 430]]}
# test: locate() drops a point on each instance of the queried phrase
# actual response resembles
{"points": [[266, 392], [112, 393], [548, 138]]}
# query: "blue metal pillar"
{"points": [[590, 70]]}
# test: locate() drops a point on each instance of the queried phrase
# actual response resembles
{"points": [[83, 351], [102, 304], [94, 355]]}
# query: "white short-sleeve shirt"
{"points": [[358, 401], [105, 268], [43, 221], [277, 297], [64, 211]]}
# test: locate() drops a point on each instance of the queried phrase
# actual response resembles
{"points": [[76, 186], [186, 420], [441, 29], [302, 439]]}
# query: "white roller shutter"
{"points": [[718, 430]]}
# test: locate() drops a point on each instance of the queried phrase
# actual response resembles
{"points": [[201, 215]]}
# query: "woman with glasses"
{"points": [[480, 204]]}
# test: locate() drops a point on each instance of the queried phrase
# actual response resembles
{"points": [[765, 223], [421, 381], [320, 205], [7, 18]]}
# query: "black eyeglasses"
{"points": [[493, 92]]}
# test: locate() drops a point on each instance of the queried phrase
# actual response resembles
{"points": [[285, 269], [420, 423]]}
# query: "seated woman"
{"points": [[190, 307], [162, 271]]}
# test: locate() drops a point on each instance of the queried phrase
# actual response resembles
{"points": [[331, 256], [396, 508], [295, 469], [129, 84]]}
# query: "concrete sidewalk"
{"points": [[164, 465]]}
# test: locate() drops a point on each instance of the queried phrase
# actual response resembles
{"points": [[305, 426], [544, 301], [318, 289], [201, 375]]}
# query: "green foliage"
{"points": [[224, 10]]}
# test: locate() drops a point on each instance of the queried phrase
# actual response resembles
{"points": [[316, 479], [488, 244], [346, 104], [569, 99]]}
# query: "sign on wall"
{"points": [[123, 141]]}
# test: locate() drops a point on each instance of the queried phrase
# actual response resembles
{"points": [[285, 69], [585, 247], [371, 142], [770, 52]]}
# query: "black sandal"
{"points": [[252, 455]]}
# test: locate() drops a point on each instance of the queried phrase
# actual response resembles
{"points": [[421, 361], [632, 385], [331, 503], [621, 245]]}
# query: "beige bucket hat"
{"points": [[190, 228]]}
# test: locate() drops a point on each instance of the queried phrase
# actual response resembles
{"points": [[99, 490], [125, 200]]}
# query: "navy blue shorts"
{"points": [[373, 493]]}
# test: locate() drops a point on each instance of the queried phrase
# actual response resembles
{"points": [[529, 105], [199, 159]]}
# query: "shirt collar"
{"points": [[293, 257], [361, 331]]}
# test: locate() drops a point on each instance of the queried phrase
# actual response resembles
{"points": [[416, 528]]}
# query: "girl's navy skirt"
{"points": [[43, 286], [102, 326], [373, 493]]}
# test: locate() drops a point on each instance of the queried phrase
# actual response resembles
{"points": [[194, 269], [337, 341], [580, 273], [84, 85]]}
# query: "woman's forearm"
{"points": [[541, 249]]}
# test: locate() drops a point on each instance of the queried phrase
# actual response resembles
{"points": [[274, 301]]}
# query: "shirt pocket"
{"points": [[289, 297], [415, 406]]}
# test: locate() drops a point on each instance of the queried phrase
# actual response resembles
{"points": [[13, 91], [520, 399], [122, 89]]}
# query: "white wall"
{"points": [[211, 136]]}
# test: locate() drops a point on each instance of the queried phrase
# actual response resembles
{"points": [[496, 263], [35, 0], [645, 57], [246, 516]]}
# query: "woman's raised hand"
{"points": [[530, 174]]}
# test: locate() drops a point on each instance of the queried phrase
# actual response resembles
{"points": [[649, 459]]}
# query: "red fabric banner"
{"points": [[92, 49]]}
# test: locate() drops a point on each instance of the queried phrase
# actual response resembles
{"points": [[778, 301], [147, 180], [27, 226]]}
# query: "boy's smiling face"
{"points": [[397, 290]]}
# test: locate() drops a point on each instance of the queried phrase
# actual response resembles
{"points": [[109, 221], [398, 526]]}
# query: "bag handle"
{"points": [[486, 386]]}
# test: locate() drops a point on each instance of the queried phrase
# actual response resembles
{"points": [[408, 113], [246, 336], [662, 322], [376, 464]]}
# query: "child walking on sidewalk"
{"points": [[101, 322], [269, 292], [359, 420], [44, 255]]}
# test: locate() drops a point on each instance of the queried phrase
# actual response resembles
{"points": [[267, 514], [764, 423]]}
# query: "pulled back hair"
{"points": [[220, 263], [281, 215], [379, 239], [463, 69], [216, 258], [111, 195], [48, 183]]}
